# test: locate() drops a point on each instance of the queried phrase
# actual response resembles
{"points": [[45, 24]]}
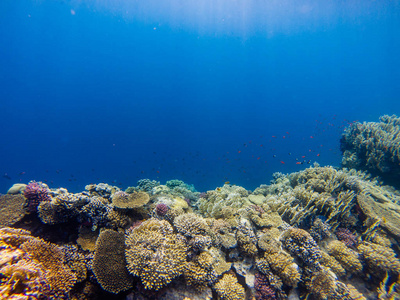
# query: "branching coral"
{"points": [[155, 254], [348, 258], [109, 264], [35, 193]]}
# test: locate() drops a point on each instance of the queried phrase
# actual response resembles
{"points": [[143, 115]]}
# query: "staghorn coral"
{"points": [[35, 193], [379, 259], [345, 256], [11, 209], [109, 264], [374, 147], [155, 254], [229, 289], [124, 200], [300, 243]]}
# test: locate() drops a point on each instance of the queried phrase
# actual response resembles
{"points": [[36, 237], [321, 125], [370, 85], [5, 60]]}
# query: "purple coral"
{"points": [[264, 291], [35, 193], [345, 235], [161, 209]]}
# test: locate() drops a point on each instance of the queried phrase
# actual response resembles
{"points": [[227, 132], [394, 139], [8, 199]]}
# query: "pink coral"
{"points": [[264, 291], [161, 209], [35, 193], [345, 235]]}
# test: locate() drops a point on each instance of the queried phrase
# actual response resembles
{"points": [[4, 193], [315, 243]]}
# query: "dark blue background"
{"points": [[194, 90]]}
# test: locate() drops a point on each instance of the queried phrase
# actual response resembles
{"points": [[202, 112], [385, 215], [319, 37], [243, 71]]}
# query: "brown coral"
{"points": [[109, 264], [11, 209], [155, 254]]}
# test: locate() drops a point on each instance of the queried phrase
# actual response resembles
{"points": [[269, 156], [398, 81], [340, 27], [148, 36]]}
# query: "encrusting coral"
{"points": [[155, 254]]}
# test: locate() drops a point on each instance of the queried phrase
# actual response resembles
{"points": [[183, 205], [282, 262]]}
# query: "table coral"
{"points": [[229, 289], [109, 264], [124, 200], [155, 254]]}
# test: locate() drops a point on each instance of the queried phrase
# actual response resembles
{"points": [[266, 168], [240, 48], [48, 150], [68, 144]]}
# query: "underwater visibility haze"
{"points": [[202, 91], [195, 150]]}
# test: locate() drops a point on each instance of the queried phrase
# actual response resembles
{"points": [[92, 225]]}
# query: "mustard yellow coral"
{"points": [[155, 254], [125, 201], [109, 264], [379, 259], [345, 256], [228, 288]]}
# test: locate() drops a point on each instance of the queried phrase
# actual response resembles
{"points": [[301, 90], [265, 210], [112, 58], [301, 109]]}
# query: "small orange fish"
{"points": [[303, 156], [239, 151], [274, 136], [227, 182], [282, 162], [318, 154], [258, 158], [298, 163], [311, 137]]}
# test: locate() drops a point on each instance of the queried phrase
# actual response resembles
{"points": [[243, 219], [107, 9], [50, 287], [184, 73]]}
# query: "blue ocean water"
{"points": [[204, 91]]}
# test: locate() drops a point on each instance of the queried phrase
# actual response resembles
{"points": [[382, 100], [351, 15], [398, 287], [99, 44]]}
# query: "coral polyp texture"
{"points": [[375, 147], [155, 254]]}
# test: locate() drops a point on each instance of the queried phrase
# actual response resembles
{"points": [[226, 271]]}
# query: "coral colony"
{"points": [[321, 233]]}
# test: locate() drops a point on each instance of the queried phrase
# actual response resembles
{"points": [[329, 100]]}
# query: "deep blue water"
{"points": [[204, 91]]}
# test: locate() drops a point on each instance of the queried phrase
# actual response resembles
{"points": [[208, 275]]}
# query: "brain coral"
{"points": [[155, 254], [229, 289]]}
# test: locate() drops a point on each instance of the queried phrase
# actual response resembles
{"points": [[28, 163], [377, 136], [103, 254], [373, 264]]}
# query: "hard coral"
{"points": [[35, 193], [264, 291], [348, 238], [126, 201], [109, 264], [11, 209], [155, 254], [161, 209], [300, 243], [229, 289], [345, 256]]}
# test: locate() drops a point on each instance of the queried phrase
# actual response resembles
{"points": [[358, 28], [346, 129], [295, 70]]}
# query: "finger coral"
{"points": [[109, 264], [155, 254]]}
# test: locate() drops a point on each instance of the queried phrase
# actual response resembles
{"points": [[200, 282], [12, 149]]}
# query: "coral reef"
{"points": [[348, 258], [374, 147], [12, 209], [161, 209], [109, 264], [155, 254]]}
